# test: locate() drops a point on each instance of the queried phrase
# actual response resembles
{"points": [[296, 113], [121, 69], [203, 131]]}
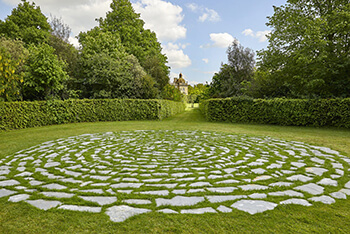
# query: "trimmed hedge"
{"points": [[16, 115], [288, 112]]}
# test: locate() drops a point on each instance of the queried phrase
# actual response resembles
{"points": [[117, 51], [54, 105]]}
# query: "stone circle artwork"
{"points": [[128, 173]]}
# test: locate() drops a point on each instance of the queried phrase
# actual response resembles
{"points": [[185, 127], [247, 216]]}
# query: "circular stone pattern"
{"points": [[182, 172]]}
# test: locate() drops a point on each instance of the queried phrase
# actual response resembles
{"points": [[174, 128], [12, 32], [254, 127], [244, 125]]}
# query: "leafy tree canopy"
{"points": [[308, 52], [27, 23], [232, 76]]}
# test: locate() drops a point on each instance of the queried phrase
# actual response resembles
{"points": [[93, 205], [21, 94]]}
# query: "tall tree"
{"points": [[27, 23], [232, 76], [137, 41], [308, 52]]}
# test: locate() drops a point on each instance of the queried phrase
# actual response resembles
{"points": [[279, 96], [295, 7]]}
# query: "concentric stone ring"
{"points": [[127, 173]]}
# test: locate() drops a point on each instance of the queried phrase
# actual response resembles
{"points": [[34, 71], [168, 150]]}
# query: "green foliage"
{"points": [[198, 93], [15, 115], [27, 23], [232, 76], [170, 92], [107, 71], [12, 56], [291, 112], [307, 55], [141, 43], [44, 73]]}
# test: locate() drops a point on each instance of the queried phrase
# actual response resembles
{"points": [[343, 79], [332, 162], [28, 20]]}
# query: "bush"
{"points": [[290, 112], [16, 115]]}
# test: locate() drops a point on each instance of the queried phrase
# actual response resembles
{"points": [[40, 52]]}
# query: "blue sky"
{"points": [[194, 34]]}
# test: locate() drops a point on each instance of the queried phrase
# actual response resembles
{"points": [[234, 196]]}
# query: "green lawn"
{"points": [[320, 218]]}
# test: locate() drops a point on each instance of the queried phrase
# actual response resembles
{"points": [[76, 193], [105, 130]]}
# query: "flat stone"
{"points": [[301, 178], [8, 183], [179, 191], [54, 186], [324, 199], [179, 201], [198, 211], [200, 184], [169, 186], [196, 191], [253, 206], [259, 171], [5, 192], [103, 178], [338, 195], [274, 165], [224, 209], [137, 201], [125, 191], [152, 180], [316, 170], [338, 165], [100, 200], [167, 211], [97, 191], [287, 172], [217, 199], [296, 201], [263, 177], [181, 174], [159, 193], [347, 185], [52, 164], [257, 196], [249, 187], [43, 204], [317, 160], [127, 185], [121, 213], [35, 182], [58, 194], [311, 188], [281, 184], [298, 164], [289, 193], [222, 189], [71, 180], [81, 208], [227, 182], [19, 197], [345, 191], [24, 174], [327, 181]]}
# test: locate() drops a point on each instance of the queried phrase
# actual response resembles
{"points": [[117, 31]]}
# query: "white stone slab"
{"points": [[167, 211], [316, 170], [228, 182], [169, 186], [261, 178], [224, 209], [324, 199], [81, 208], [44, 205], [127, 185], [301, 178], [253, 206], [298, 164], [6, 183], [121, 213], [281, 184], [338, 195], [6, 192], [259, 171], [250, 187], [221, 198], [100, 200], [97, 191], [54, 186], [289, 193], [222, 189], [58, 194], [52, 164], [296, 202], [137, 201], [327, 181], [257, 196], [198, 211], [179, 201], [311, 188], [19, 197], [159, 193]]}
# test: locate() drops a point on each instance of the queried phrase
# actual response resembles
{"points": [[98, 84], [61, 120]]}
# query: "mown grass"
{"points": [[320, 218]]}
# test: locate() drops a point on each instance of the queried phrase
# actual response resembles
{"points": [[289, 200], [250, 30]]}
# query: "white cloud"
{"points": [[176, 57], [205, 60], [220, 40], [206, 13], [80, 15], [260, 35], [164, 18]]}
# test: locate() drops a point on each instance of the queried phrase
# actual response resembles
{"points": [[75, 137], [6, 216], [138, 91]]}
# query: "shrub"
{"points": [[16, 115], [291, 112]]}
